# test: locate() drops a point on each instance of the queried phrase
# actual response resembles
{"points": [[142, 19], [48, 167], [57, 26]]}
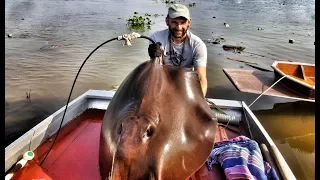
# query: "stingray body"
{"points": [[158, 125]]}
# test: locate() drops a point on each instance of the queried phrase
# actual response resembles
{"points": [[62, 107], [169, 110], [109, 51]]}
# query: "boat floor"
{"points": [[75, 153], [254, 81]]}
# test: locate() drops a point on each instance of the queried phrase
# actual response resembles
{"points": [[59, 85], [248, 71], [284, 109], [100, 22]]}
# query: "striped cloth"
{"points": [[241, 158]]}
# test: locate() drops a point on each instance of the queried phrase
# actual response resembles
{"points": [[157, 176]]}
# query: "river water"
{"points": [[51, 39]]}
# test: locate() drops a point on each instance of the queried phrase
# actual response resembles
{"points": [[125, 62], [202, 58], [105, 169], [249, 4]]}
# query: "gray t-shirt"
{"points": [[191, 52]]}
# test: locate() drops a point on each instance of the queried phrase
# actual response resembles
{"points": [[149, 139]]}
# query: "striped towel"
{"points": [[241, 158]]}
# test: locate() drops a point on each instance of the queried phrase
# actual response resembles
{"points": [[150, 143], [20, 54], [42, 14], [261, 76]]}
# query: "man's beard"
{"points": [[173, 33]]}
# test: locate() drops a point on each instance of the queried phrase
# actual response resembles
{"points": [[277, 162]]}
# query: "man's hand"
{"points": [[154, 50]]}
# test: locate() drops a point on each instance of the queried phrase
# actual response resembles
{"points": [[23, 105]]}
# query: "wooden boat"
{"points": [[258, 82], [300, 77], [75, 152]]}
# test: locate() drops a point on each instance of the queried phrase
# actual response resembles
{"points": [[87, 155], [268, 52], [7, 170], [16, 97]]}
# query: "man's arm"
{"points": [[200, 65], [202, 73]]}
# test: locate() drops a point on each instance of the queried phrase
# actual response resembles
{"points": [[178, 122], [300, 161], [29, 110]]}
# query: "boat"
{"points": [[299, 77], [75, 151], [261, 83]]}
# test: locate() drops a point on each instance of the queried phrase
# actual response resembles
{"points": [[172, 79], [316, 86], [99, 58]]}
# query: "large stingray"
{"points": [[157, 126]]}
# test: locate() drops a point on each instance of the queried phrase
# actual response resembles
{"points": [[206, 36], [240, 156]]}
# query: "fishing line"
{"points": [[267, 89], [74, 82]]}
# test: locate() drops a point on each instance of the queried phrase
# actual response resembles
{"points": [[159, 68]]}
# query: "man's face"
{"points": [[178, 26]]}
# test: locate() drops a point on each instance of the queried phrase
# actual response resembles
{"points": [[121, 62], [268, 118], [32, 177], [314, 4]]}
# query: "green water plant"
{"points": [[170, 1], [139, 22], [192, 4]]}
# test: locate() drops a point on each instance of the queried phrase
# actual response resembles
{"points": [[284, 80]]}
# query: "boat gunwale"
{"points": [[282, 165], [99, 99], [274, 66]]}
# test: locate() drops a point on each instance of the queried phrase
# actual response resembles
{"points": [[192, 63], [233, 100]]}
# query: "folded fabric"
{"points": [[241, 158]]}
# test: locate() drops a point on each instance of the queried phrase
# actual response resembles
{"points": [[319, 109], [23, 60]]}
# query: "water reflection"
{"points": [[19, 9], [304, 143], [292, 127], [31, 111]]}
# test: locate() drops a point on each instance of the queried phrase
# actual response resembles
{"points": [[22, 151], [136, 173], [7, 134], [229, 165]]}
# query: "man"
{"points": [[179, 46]]}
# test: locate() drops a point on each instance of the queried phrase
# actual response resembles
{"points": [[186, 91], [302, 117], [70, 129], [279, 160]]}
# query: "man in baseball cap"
{"points": [[178, 46], [179, 10]]}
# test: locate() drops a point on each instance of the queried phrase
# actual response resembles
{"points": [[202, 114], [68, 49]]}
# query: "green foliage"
{"points": [[139, 22], [192, 4], [170, 1]]}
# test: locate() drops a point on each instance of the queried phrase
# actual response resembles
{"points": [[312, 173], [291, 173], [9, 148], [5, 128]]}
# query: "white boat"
{"points": [[66, 158]]}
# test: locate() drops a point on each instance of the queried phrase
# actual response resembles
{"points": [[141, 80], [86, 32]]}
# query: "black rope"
{"points": [[74, 82]]}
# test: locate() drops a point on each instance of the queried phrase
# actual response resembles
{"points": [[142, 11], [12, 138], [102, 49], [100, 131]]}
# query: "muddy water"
{"points": [[292, 127], [51, 39]]}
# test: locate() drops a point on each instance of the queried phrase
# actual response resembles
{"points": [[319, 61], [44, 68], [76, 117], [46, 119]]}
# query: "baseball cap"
{"points": [[178, 10]]}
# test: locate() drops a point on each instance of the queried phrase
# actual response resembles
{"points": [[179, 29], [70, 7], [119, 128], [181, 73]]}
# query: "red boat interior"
{"points": [[302, 73], [76, 151]]}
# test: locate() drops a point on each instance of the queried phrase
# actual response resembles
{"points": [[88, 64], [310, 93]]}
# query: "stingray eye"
{"points": [[120, 129], [150, 131]]}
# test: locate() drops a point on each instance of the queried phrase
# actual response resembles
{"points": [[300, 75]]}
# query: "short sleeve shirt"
{"points": [[190, 53]]}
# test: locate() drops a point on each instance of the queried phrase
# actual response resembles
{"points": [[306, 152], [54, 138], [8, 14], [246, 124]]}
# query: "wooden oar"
{"points": [[260, 67], [266, 154], [242, 61], [281, 164]]}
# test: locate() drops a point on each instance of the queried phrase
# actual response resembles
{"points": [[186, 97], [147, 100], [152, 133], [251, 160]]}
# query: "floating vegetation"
{"points": [[192, 4], [139, 22], [170, 2]]}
